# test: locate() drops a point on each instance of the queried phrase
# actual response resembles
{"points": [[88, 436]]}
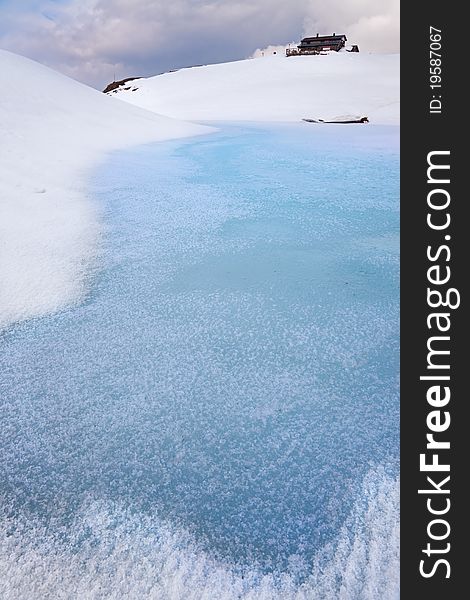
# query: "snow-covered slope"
{"points": [[51, 129], [276, 88]]}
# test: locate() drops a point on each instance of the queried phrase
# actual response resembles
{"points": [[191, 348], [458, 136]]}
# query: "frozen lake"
{"points": [[234, 372]]}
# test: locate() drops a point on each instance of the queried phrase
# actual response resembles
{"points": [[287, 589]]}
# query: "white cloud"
{"points": [[92, 39], [372, 24], [271, 49]]}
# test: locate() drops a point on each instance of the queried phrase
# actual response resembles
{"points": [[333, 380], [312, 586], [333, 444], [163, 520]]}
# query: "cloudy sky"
{"points": [[91, 40]]}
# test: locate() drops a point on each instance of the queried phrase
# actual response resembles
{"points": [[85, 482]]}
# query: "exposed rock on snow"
{"points": [[116, 84]]}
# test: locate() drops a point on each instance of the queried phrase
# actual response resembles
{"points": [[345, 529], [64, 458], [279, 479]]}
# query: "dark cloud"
{"points": [[93, 39]]}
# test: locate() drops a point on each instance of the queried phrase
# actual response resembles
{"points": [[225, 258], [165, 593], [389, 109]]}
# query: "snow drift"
{"points": [[51, 129], [276, 88]]}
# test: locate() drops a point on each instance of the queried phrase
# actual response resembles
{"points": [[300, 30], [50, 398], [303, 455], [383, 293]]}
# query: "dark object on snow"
{"points": [[354, 48], [320, 43], [115, 84], [359, 120]]}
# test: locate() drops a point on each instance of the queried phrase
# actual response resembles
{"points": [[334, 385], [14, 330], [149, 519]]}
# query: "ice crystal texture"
{"points": [[219, 419]]}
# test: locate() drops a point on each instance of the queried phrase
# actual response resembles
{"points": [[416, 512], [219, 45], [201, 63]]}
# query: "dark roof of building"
{"points": [[325, 38]]}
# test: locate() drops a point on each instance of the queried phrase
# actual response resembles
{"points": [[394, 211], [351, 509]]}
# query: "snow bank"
{"points": [[277, 88], [51, 130]]}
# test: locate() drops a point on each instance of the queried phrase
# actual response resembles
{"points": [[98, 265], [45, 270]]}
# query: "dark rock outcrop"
{"points": [[115, 84]]}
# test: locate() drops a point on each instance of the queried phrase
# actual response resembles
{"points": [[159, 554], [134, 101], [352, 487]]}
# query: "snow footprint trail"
{"points": [[227, 398]]}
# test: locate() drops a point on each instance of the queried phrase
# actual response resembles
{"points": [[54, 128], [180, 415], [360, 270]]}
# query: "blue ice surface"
{"points": [[235, 366]]}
